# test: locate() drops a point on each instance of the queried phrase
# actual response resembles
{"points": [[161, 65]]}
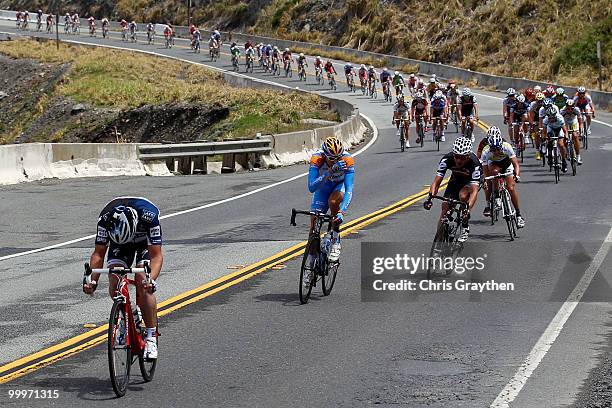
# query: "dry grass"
{"points": [[120, 79]]}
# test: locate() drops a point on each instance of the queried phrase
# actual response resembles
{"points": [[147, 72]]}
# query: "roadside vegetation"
{"points": [[119, 80]]}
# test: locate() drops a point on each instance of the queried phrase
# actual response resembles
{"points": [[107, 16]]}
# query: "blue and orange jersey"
{"points": [[320, 174]]}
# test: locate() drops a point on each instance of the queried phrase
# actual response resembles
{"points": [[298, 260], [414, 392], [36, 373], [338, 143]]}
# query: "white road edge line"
{"points": [[545, 342]]}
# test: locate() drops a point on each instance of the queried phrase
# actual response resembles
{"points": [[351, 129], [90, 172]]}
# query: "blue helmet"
{"points": [[122, 224]]}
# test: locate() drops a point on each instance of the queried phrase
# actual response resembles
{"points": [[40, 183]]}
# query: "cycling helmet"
{"points": [[302, 54], [521, 98], [551, 111], [371, 66], [362, 66], [332, 147], [432, 80], [123, 222], [550, 89], [438, 94], [582, 90], [384, 69], [569, 102], [462, 146], [286, 49], [547, 102], [560, 91], [133, 22], [318, 57], [539, 96], [396, 73], [510, 92], [467, 92], [40, 11], [537, 88], [494, 137], [412, 75], [269, 45], [433, 76], [349, 65], [275, 48]]}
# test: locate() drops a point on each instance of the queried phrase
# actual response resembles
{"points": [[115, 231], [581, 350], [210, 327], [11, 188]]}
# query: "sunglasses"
{"points": [[460, 157]]}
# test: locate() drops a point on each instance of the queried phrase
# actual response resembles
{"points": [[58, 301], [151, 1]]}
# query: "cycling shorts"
{"points": [[320, 198], [124, 254], [454, 187], [436, 113], [505, 165]]}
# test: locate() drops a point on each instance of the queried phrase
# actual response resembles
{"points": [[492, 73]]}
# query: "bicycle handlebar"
{"points": [[116, 269], [294, 212], [449, 200], [498, 176]]}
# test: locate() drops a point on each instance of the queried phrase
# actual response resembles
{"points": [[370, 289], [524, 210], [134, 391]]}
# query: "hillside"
{"points": [[540, 39]]}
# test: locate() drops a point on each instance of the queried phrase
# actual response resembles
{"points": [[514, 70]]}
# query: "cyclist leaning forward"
{"points": [[573, 119], [498, 157], [331, 178], [402, 110], [463, 185], [128, 230], [468, 108], [419, 108]]}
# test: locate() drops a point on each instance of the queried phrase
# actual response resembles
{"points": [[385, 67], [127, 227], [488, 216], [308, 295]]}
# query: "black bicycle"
{"points": [[501, 203], [554, 154], [571, 152], [317, 267], [446, 243]]}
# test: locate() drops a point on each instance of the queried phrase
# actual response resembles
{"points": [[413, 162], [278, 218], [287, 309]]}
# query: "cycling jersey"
{"points": [[347, 69], [467, 105], [132, 27], [235, 51], [556, 123], [329, 68], [560, 101], [535, 107], [398, 80], [250, 52], [286, 56], [385, 76], [148, 229], [582, 101], [301, 61], [542, 111], [419, 105], [372, 74], [363, 73], [438, 104], [570, 115], [403, 108], [509, 103], [489, 156], [469, 173], [322, 181], [519, 109]]}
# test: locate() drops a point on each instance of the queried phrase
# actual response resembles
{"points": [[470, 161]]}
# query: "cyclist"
{"points": [[248, 44], [76, 22], [560, 98], [151, 31], [401, 110], [498, 157], [452, 93], [133, 28], [555, 122], [385, 79], [530, 94], [129, 229], [363, 75], [518, 117], [124, 29], [432, 87], [235, 51], [318, 66], [582, 100], [398, 83], [287, 58], [39, 16], [197, 38], [549, 92], [168, 33], [217, 36], [468, 109], [49, 22], [329, 69], [507, 104], [534, 117], [419, 107], [67, 22], [439, 109], [372, 76], [349, 73], [105, 24], [25, 18], [331, 178], [18, 15], [573, 120], [412, 83], [92, 25], [250, 55], [302, 62], [463, 185]]}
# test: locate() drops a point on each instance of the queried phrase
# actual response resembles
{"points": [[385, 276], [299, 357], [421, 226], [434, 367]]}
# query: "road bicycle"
{"points": [[319, 75], [67, 28], [151, 38], [584, 134], [276, 67], [450, 227], [288, 70], [501, 203], [468, 128], [420, 129], [104, 31], [364, 86], [49, 28], [125, 341], [321, 268], [301, 72], [124, 36], [214, 53], [235, 65], [571, 152], [403, 129], [518, 139], [332, 81], [76, 28], [437, 130], [133, 36], [554, 153], [38, 25], [372, 88], [387, 92], [196, 46], [351, 83], [453, 117], [92, 30]]}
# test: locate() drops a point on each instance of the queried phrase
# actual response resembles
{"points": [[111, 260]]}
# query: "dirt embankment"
{"points": [[30, 111]]}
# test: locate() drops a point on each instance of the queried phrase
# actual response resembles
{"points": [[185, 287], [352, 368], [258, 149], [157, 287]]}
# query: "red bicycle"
{"points": [[126, 340]]}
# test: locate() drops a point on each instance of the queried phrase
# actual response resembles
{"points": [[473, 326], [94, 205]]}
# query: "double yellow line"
{"points": [[91, 338]]}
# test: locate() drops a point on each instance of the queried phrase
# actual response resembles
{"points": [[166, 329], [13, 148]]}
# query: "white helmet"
{"points": [[537, 88], [521, 98], [396, 73], [412, 75], [286, 49], [301, 54], [462, 146], [363, 66], [432, 80]]}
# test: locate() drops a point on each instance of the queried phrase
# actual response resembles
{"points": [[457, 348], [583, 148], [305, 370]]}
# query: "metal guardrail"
{"points": [[190, 158]]}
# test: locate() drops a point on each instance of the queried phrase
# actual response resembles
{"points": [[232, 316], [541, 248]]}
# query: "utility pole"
{"points": [[188, 13], [599, 79], [57, 14]]}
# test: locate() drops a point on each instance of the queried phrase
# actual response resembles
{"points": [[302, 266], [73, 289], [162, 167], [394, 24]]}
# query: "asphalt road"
{"points": [[252, 344]]}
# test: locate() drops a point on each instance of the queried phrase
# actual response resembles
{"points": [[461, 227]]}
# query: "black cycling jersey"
{"points": [[469, 172], [467, 105]]}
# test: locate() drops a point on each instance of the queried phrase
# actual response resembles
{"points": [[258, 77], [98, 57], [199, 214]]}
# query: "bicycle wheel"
{"points": [[556, 166], [147, 367], [421, 135], [402, 138], [572, 156], [329, 277], [493, 207], [306, 269], [506, 203], [119, 354]]}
